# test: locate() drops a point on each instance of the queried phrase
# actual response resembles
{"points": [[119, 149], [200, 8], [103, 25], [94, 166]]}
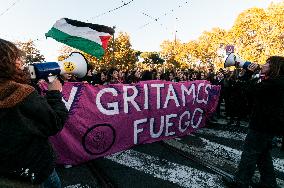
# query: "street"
{"points": [[157, 165]]}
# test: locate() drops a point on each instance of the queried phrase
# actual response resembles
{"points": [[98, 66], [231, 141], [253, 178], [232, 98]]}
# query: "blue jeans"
{"points": [[53, 181]]}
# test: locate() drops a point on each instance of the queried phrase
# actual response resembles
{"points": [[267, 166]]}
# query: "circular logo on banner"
{"points": [[69, 66], [230, 49], [98, 139]]}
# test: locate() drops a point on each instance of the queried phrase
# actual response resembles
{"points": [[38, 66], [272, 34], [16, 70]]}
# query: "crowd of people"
{"points": [[116, 76], [245, 97]]}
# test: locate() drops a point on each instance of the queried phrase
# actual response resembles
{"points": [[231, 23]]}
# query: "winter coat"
{"points": [[26, 121], [268, 106]]}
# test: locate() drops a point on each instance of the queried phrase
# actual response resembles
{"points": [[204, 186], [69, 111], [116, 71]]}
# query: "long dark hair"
{"points": [[9, 53], [276, 66], [110, 73]]}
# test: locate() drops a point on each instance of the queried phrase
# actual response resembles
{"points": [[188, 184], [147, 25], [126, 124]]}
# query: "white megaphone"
{"points": [[235, 60], [75, 64]]}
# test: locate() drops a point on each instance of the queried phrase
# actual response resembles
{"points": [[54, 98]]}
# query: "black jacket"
{"points": [[268, 106], [26, 121]]}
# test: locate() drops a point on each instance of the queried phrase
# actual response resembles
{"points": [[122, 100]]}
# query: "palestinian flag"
{"points": [[89, 38]]}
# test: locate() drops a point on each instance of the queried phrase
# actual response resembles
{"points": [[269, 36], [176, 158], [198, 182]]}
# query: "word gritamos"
{"points": [[157, 110], [152, 95]]}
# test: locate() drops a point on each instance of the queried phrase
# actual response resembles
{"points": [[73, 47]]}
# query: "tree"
{"points": [[119, 54], [256, 34], [152, 58], [206, 47], [124, 55], [171, 51], [32, 53], [65, 51]]}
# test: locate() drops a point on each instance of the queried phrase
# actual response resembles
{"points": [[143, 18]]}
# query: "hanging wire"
{"points": [[9, 8], [121, 6], [156, 19]]}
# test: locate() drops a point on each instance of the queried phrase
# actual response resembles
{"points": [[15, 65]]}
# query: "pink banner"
{"points": [[107, 119]]}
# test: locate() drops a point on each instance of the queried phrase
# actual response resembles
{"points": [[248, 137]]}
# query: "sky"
{"points": [[148, 22]]}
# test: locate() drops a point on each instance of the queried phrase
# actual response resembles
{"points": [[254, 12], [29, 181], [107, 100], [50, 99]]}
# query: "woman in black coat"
{"points": [[267, 121], [26, 121]]}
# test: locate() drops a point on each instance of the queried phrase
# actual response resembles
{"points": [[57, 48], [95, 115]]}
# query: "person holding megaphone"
{"points": [[27, 120], [266, 121], [75, 64], [72, 67]]}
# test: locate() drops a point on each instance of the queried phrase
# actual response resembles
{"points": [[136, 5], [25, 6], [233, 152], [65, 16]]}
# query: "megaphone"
{"points": [[235, 60], [75, 64]]}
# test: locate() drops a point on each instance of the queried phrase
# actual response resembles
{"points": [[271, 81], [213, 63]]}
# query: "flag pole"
{"points": [[113, 46]]}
